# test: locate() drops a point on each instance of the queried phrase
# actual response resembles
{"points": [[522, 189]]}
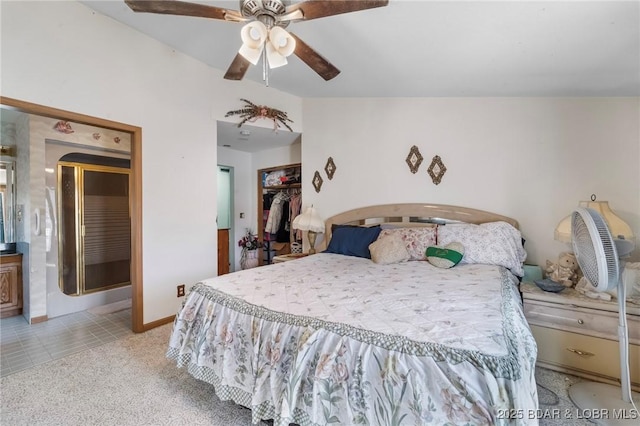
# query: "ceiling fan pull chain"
{"points": [[265, 70]]}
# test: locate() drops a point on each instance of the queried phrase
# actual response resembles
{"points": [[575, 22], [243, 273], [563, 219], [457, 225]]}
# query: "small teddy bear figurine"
{"points": [[565, 271]]}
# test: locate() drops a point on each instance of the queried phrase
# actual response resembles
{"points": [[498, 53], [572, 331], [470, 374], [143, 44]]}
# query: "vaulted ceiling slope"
{"points": [[414, 48]]}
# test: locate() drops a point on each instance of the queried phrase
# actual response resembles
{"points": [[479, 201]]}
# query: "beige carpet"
{"points": [[130, 382], [126, 382]]}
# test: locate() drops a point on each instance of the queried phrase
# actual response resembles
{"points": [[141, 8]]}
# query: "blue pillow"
{"points": [[352, 240]]}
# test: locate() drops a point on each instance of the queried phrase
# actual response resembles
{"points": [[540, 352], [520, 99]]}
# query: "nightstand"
{"points": [[578, 335], [287, 257]]}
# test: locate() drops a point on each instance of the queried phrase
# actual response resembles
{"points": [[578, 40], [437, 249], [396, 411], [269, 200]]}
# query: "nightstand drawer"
{"points": [[585, 321], [584, 353]]}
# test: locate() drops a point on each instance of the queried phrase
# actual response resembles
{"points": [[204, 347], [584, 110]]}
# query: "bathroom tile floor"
{"points": [[24, 345]]}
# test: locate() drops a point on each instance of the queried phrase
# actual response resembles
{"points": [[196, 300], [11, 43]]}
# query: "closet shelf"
{"points": [[285, 186]]}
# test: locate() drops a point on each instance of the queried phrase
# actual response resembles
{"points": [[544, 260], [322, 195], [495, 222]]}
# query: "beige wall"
{"points": [[532, 159]]}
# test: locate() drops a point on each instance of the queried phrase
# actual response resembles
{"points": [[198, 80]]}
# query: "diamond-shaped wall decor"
{"points": [[317, 181], [414, 159], [330, 168], [436, 170]]}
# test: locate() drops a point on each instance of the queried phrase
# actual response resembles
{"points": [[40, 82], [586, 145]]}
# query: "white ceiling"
{"points": [[426, 48], [435, 48], [253, 138]]}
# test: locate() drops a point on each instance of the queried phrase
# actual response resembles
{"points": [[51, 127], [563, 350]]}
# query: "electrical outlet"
{"points": [[180, 290]]}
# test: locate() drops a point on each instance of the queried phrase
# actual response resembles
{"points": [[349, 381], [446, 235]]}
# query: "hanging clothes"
{"points": [[267, 199], [275, 213], [295, 205], [283, 235]]}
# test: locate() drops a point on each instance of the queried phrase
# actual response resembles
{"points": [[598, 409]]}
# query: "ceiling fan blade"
{"points": [[238, 68], [314, 60], [170, 7], [314, 9]]}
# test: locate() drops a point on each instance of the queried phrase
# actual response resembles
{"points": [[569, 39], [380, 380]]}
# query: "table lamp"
{"points": [[619, 228], [311, 222]]}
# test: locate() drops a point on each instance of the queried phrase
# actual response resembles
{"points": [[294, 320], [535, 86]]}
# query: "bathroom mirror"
{"points": [[7, 202]]}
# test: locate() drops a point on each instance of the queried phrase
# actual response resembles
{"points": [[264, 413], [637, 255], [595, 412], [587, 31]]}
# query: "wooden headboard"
{"points": [[412, 214]]}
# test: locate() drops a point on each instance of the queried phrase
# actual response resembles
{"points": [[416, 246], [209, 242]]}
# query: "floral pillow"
{"points": [[493, 243], [416, 240]]}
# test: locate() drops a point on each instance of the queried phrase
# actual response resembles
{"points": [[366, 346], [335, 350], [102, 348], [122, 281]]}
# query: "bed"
{"points": [[338, 338]]}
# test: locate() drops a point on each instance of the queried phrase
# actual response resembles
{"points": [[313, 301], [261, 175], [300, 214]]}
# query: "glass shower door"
{"points": [[95, 228], [106, 230]]}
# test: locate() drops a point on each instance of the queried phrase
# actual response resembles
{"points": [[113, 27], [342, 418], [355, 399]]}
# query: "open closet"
{"points": [[279, 202]]}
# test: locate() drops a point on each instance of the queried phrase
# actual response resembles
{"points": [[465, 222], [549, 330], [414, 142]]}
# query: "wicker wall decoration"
{"points": [[436, 170], [251, 112], [317, 181], [330, 168], [414, 159]]}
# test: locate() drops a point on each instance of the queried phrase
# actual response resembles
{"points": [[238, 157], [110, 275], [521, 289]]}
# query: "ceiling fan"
{"points": [[264, 30]]}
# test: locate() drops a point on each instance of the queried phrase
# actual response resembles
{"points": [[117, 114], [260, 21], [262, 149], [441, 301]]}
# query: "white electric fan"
{"points": [[597, 254]]}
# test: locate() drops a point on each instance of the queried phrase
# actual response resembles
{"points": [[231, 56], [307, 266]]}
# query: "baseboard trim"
{"points": [[36, 320], [151, 325]]}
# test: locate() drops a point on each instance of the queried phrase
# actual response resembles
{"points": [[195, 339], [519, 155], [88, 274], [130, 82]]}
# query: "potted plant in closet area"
{"points": [[249, 244]]}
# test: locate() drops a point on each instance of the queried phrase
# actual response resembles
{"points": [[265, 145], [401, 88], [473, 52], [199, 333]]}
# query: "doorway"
{"points": [[244, 151], [225, 219], [135, 193]]}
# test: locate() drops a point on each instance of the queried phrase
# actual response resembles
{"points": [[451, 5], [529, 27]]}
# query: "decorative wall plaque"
{"points": [[414, 159], [436, 169], [330, 168], [317, 181]]}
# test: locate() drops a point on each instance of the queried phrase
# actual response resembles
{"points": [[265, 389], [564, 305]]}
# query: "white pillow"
{"points": [[389, 249], [493, 243]]}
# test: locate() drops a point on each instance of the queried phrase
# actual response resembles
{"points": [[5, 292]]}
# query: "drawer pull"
{"points": [[580, 321], [579, 352]]}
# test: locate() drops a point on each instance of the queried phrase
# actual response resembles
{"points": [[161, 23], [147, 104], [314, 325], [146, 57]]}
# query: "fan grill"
{"points": [[594, 249]]}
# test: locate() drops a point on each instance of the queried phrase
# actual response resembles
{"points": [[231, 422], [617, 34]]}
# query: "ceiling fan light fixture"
{"points": [[275, 59], [279, 46], [251, 55], [253, 35], [282, 41]]}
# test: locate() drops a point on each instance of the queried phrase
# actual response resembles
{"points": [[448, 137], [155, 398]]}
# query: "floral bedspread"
{"points": [[332, 339]]}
